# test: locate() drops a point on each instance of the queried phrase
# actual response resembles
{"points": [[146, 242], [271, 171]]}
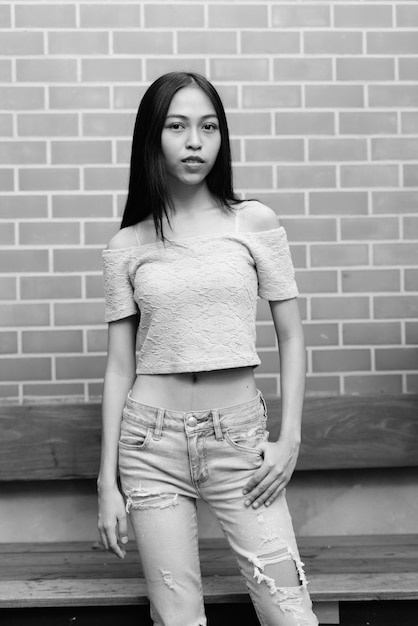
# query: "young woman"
{"points": [[185, 420]]}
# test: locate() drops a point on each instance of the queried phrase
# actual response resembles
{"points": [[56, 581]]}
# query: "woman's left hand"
{"points": [[279, 460]]}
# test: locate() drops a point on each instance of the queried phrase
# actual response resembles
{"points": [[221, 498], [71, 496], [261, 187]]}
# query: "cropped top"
{"points": [[197, 297]]}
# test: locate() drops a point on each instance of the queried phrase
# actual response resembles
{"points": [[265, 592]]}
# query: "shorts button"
{"points": [[192, 421]]}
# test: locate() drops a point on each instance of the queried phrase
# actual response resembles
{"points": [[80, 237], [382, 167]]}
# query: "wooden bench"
{"points": [[61, 442]]}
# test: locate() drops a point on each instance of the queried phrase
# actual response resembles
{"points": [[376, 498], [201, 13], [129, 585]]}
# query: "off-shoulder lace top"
{"points": [[197, 297]]}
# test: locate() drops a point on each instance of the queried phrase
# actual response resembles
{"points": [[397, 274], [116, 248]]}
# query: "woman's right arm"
{"points": [[118, 380]]}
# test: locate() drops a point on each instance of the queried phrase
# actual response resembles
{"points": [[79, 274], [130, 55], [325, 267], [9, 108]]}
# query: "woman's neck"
{"points": [[189, 198]]}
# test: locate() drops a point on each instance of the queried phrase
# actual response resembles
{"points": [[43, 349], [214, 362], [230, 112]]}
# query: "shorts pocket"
{"points": [[134, 435], [247, 438]]}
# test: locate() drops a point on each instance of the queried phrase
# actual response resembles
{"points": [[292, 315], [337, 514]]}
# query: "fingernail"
{"points": [[247, 502], [255, 505], [267, 503], [244, 491], [124, 539]]}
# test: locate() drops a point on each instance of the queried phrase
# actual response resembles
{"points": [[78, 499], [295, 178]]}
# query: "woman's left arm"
{"points": [[279, 458]]}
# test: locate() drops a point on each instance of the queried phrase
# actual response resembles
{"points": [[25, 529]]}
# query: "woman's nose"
{"points": [[193, 139]]}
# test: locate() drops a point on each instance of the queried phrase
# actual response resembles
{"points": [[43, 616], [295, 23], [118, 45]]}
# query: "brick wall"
{"points": [[322, 102]]}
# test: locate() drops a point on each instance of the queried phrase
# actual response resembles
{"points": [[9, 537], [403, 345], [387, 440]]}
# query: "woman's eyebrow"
{"points": [[184, 117]]}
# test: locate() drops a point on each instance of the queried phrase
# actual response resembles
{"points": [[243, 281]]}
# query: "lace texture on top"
{"points": [[197, 297]]}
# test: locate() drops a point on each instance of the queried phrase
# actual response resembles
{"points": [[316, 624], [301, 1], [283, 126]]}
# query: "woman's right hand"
{"points": [[112, 520]]}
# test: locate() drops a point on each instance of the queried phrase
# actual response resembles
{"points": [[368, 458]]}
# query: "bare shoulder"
{"points": [[256, 216], [124, 238]]}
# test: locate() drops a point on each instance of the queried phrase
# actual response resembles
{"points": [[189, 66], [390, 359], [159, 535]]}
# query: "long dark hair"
{"points": [[148, 192]]}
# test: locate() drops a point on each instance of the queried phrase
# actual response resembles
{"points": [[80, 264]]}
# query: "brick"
{"points": [[46, 70], [239, 69], [411, 279], [228, 94], [253, 176], [393, 95], [409, 122], [410, 173], [269, 362], [308, 229], [392, 42], [5, 16], [306, 69], [24, 260], [15, 207], [333, 42], [267, 149], [127, 96], [22, 98], [406, 15], [367, 175], [21, 369], [369, 228], [49, 179], [9, 392], [110, 16], [158, 66], [22, 152], [24, 315], [399, 307], [100, 232], [320, 334], [304, 123], [332, 96], [341, 254], [410, 227], [271, 96], [317, 281], [411, 333], [50, 287], [396, 359], [394, 202], [263, 310], [80, 367], [45, 16], [412, 383], [408, 69], [47, 124], [111, 70], [7, 234], [242, 123], [339, 307], [6, 70], [322, 385], [123, 151], [269, 42], [174, 16], [7, 288], [97, 340], [369, 281], [298, 256], [81, 152], [144, 42], [367, 123], [53, 390], [284, 203], [337, 149], [267, 385], [80, 97], [238, 16], [49, 233], [298, 15], [77, 260], [106, 178], [79, 313], [78, 43], [94, 286], [6, 125], [395, 253], [400, 149], [372, 383], [309, 176], [363, 16], [347, 360], [52, 341], [108, 124], [365, 69], [80, 205], [371, 333], [266, 336], [8, 343], [21, 43], [6, 180]]}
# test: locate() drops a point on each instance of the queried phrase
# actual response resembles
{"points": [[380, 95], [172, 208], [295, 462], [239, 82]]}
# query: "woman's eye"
{"points": [[175, 126], [209, 127]]}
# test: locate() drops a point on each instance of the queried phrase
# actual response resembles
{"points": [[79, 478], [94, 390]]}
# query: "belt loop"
{"points": [[263, 402], [159, 425], [217, 425]]}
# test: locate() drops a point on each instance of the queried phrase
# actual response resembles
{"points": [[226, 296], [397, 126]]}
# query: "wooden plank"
{"points": [[43, 442]]}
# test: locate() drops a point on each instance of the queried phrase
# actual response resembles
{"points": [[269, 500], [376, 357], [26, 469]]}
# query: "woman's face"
{"points": [[190, 139]]}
